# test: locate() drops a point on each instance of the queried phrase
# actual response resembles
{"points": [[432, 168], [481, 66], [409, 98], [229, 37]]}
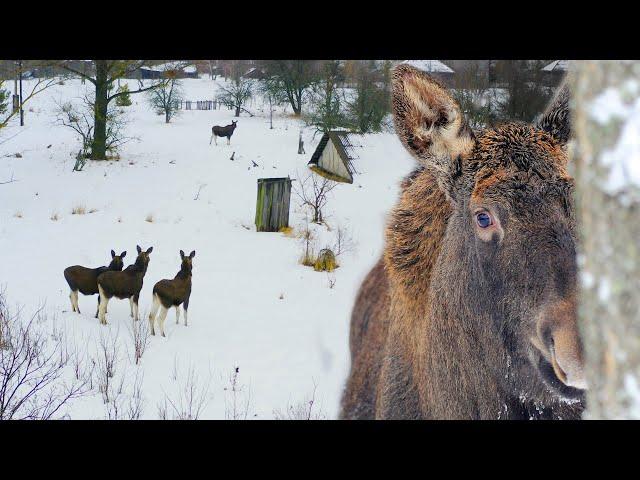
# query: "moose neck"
{"points": [[184, 273], [139, 267]]}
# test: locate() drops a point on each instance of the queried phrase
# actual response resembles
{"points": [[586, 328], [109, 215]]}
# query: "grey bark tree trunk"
{"points": [[606, 156]]}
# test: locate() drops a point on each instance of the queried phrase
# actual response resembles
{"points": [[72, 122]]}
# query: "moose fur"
{"points": [[172, 293], [459, 319], [226, 131], [125, 284], [85, 280]]}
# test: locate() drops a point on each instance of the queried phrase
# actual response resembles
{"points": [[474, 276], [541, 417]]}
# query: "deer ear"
{"points": [[113, 254], [429, 122], [556, 119], [149, 250], [181, 254], [192, 254], [123, 254], [138, 248]]}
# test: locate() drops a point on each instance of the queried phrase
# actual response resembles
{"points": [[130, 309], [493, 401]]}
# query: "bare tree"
{"points": [[237, 399], [292, 79], [78, 116], [40, 85], [313, 192], [33, 363], [606, 126], [106, 365], [236, 94], [140, 338], [106, 72], [165, 97], [307, 409], [190, 399]]}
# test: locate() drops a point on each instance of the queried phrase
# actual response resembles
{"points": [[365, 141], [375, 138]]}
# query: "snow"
{"points": [[253, 306], [623, 158], [429, 65]]}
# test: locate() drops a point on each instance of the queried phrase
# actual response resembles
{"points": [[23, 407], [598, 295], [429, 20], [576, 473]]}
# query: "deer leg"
{"points": [[136, 310], [103, 306], [185, 307], [228, 140], [211, 139], [131, 306], [98, 307], [177, 314], [185, 316], [161, 318], [73, 296], [154, 311]]}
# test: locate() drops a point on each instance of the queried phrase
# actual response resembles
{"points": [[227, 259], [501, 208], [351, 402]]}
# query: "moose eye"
{"points": [[484, 219]]}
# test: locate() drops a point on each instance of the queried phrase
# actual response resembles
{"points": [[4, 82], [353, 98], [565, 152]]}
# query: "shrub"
{"points": [[326, 261]]}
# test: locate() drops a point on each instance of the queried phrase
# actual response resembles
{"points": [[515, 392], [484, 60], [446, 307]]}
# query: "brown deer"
{"points": [[471, 311], [125, 284], [85, 280], [172, 293], [227, 131]]}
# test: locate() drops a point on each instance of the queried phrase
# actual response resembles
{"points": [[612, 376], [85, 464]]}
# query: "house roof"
{"points": [[163, 67], [434, 66], [343, 142], [556, 66]]}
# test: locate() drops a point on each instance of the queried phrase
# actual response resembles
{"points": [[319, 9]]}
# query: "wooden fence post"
{"points": [[272, 205]]}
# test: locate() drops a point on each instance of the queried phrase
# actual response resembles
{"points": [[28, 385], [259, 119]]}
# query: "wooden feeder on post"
{"points": [[272, 205]]}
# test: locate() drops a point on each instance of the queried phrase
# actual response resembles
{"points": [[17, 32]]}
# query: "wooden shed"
{"points": [[272, 204], [333, 157], [435, 68]]}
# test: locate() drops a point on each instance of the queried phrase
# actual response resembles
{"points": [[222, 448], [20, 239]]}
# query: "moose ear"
{"points": [[192, 254], [429, 121], [113, 254], [181, 254], [149, 250], [556, 119], [138, 248], [123, 254]]}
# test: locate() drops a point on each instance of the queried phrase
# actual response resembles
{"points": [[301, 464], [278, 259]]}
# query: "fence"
{"points": [[197, 105]]}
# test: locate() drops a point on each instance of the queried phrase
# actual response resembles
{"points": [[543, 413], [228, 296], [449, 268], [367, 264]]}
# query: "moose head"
{"points": [[116, 261], [507, 259]]}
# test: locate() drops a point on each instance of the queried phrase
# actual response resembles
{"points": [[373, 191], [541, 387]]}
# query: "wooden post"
{"points": [[272, 205]]}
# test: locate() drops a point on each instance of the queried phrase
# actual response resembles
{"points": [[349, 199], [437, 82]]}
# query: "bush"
{"points": [[326, 261]]}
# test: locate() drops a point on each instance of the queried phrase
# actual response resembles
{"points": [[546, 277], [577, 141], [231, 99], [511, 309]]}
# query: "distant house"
{"points": [[435, 68], [555, 71], [255, 73], [334, 155], [159, 71]]}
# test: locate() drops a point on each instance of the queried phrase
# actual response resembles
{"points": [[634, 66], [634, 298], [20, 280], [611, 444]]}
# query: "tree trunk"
{"points": [[606, 124], [238, 110], [99, 146]]}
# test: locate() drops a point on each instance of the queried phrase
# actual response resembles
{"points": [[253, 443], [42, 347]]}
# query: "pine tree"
{"points": [[123, 100]]}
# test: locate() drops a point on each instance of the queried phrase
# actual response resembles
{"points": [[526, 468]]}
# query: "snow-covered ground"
{"points": [[253, 305]]}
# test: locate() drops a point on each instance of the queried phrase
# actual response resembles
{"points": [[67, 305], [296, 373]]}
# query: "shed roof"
{"points": [[557, 66], [343, 142], [429, 66]]}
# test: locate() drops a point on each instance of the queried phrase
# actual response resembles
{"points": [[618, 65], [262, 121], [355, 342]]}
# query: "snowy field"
{"points": [[253, 306]]}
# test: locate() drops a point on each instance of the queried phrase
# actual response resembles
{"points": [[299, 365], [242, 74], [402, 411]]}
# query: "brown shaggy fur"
{"points": [[458, 321], [85, 280]]}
